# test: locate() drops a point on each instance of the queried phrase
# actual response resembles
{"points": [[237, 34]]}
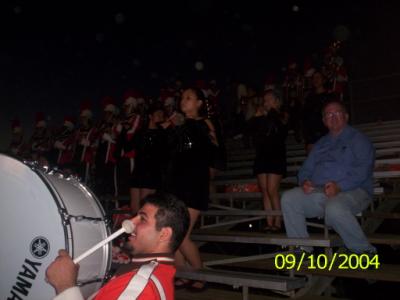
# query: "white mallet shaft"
{"points": [[127, 226]]}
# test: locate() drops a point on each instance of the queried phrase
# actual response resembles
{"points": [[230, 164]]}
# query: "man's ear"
{"points": [[166, 234]]}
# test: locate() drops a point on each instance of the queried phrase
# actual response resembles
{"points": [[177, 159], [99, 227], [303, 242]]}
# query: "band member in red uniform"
{"points": [[105, 160], [340, 78], [160, 226], [63, 145], [126, 129], [17, 147], [85, 143], [40, 142]]}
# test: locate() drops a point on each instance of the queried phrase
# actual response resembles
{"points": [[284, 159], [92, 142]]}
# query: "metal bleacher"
{"points": [[231, 208]]}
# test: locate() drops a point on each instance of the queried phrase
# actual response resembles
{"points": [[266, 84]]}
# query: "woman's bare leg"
{"points": [[212, 172], [263, 184], [188, 251], [274, 181]]}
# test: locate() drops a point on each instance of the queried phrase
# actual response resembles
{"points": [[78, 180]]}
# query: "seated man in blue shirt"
{"points": [[335, 183]]}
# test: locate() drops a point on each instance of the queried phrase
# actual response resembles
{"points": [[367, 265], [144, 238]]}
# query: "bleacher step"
{"points": [[385, 272], [240, 279]]}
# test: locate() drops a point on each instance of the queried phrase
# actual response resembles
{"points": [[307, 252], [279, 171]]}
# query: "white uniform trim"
{"points": [[148, 258], [139, 282], [159, 287]]}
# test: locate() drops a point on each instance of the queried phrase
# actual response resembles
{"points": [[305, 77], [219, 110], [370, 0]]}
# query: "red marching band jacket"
{"points": [[108, 136], [87, 139], [66, 151]]}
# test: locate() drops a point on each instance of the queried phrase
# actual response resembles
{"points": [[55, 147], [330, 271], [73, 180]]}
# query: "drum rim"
{"points": [[69, 239], [57, 199], [68, 228]]}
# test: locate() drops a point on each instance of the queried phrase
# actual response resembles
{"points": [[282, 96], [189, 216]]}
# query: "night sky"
{"points": [[55, 55]]}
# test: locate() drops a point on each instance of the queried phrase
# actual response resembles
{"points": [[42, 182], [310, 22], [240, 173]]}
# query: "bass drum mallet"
{"points": [[127, 227]]}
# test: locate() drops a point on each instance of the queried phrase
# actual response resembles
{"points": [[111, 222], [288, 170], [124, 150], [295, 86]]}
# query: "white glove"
{"points": [[107, 137], [85, 142], [59, 145]]}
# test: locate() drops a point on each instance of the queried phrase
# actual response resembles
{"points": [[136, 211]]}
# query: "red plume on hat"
{"points": [[40, 120], [85, 109], [167, 97], [131, 93], [69, 122], [270, 79], [201, 84], [108, 104], [132, 97], [16, 126], [292, 64], [327, 51], [308, 67]]}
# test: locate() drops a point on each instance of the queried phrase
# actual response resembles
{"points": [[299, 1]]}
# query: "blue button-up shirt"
{"points": [[348, 159]]}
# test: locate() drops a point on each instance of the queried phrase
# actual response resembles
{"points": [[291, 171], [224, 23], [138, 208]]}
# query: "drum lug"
{"points": [[32, 164], [72, 177], [65, 216], [107, 221], [108, 276]]}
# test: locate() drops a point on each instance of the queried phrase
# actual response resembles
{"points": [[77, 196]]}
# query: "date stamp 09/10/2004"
{"points": [[324, 262]]}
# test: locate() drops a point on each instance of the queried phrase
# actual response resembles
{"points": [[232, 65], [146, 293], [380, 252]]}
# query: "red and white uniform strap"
{"points": [[139, 282]]}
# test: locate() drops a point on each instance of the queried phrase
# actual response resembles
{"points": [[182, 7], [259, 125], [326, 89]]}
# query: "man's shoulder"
{"points": [[165, 270], [161, 284], [356, 136]]}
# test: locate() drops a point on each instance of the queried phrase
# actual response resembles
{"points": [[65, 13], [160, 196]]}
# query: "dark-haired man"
{"points": [[160, 226], [335, 182]]}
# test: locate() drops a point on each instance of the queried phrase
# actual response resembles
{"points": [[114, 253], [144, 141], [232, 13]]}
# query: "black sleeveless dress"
{"points": [[192, 153], [269, 134]]}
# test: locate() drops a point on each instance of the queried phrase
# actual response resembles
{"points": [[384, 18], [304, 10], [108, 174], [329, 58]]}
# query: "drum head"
{"points": [[31, 232]]}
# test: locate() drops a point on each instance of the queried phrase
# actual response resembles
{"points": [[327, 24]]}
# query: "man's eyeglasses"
{"points": [[329, 115]]}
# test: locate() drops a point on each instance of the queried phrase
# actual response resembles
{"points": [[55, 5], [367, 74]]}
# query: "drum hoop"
{"points": [[60, 207], [107, 272], [68, 228], [68, 233]]}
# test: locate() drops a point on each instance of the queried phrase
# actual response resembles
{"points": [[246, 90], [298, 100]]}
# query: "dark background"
{"points": [[54, 55]]}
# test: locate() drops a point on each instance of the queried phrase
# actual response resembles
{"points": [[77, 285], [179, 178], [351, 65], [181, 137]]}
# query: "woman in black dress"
{"points": [[269, 131], [194, 143], [150, 145]]}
